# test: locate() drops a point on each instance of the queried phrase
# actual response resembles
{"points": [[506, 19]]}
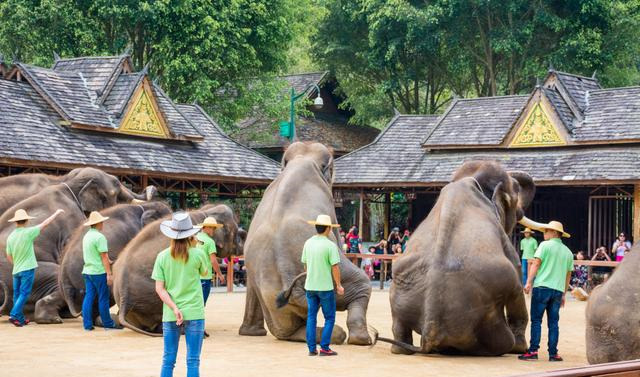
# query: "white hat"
{"points": [[324, 220], [179, 227], [20, 215], [94, 218]]}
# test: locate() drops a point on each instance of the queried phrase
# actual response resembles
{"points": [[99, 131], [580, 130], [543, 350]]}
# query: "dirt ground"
{"points": [[66, 350]]}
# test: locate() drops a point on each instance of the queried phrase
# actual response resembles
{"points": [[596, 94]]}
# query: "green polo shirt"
{"points": [[20, 248], [94, 244], [528, 247], [319, 254], [182, 281], [556, 260], [208, 245]]}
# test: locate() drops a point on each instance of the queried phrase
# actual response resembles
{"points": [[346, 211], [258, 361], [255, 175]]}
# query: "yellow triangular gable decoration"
{"points": [[142, 118], [537, 130]]}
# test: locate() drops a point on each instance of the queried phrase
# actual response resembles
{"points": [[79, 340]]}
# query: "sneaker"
{"points": [[328, 352], [26, 322], [15, 322], [90, 329], [313, 353], [206, 334], [529, 356], [555, 357]]}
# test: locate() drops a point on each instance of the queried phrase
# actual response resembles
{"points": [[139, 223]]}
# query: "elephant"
{"points": [[90, 190], [274, 246], [460, 270], [125, 221], [613, 314], [139, 307]]}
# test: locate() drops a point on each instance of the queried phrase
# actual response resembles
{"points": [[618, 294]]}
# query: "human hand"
{"points": [[222, 279], [178, 314], [340, 290], [527, 288], [110, 279], [562, 302]]}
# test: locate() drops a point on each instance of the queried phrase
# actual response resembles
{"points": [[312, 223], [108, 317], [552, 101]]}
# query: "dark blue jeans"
{"points": [[194, 333], [525, 271], [96, 285], [327, 301], [549, 300], [206, 289], [22, 285]]}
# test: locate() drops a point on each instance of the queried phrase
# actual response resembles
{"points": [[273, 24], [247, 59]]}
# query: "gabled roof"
{"points": [[121, 92], [611, 115], [577, 86], [97, 71], [300, 81], [483, 121]]}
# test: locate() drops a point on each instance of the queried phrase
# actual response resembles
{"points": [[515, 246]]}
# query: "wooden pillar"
{"points": [[387, 215], [230, 274], [361, 212], [183, 201], [636, 212]]}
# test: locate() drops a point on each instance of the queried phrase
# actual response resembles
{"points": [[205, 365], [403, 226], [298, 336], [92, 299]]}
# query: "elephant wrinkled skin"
{"points": [[274, 247], [460, 271]]}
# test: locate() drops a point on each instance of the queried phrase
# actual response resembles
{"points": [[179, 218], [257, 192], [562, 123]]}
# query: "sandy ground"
{"points": [[66, 350]]}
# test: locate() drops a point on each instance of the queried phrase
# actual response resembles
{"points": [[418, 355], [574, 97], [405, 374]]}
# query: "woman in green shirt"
{"points": [[177, 273]]}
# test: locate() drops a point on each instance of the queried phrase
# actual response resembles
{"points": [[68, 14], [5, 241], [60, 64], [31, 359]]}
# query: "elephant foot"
{"points": [[520, 346], [397, 350], [54, 320], [359, 337], [252, 331]]}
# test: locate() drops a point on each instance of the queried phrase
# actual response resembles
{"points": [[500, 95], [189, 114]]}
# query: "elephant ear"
{"points": [[150, 215], [527, 190], [91, 196], [327, 171], [500, 201]]}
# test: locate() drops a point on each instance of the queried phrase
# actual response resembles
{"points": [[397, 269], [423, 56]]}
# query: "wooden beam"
{"points": [[387, 214], [361, 212], [636, 212]]}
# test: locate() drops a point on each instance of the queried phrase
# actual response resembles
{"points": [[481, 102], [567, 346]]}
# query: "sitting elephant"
{"points": [[90, 190], [460, 271], [125, 221], [613, 314], [139, 307], [274, 246]]}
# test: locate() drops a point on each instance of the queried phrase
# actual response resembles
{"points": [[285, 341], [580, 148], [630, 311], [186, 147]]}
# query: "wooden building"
{"points": [[580, 142], [95, 111], [327, 125]]}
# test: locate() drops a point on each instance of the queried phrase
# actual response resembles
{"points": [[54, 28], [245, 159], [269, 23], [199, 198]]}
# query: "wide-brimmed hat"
{"points": [[527, 230], [324, 220], [557, 226], [20, 215], [94, 218], [211, 223], [179, 227]]}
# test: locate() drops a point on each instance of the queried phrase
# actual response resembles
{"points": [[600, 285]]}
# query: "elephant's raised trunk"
{"points": [[527, 222], [282, 298]]}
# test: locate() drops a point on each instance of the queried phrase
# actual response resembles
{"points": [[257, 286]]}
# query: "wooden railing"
{"points": [[619, 369]]}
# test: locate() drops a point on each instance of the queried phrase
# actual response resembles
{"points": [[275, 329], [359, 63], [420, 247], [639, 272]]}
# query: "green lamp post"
{"points": [[288, 129]]}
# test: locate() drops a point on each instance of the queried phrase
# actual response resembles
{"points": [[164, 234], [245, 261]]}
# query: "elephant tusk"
{"points": [[527, 222], [137, 201]]}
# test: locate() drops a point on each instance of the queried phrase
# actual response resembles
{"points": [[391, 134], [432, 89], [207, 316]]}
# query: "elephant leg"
{"points": [[401, 333], [338, 335], [357, 322], [47, 309], [517, 318], [253, 322]]}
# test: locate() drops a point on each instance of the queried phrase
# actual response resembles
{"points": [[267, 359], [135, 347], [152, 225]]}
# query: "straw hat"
{"points": [[20, 215], [557, 226], [211, 223], [527, 230], [179, 227], [324, 220], [94, 218]]}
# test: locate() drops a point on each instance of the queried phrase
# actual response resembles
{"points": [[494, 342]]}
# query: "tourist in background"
{"points": [[404, 240], [621, 247], [394, 241], [96, 273], [355, 242], [600, 274], [528, 246], [177, 271], [579, 277], [20, 253]]}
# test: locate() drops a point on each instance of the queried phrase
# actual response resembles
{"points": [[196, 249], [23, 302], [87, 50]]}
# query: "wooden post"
{"points": [[361, 213], [230, 274], [183, 201], [636, 212], [387, 214]]}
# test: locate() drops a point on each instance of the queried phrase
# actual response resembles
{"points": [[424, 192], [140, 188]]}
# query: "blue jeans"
{"points": [[96, 285], [206, 289], [22, 285], [545, 299], [525, 272], [315, 300], [194, 333]]}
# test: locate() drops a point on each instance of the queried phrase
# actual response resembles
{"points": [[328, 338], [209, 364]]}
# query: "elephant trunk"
{"points": [[122, 314], [527, 222], [282, 298], [403, 345], [127, 196], [5, 292]]}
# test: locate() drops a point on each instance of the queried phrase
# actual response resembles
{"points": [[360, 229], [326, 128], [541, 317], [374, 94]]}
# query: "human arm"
{"points": [[104, 256], [166, 298], [606, 255], [216, 268], [49, 219], [614, 248], [9, 258], [533, 270], [566, 286], [335, 272]]}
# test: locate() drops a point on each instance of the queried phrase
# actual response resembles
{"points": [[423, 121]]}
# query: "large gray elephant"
{"points": [[274, 247], [139, 307], [89, 190], [460, 271], [613, 314], [125, 221]]}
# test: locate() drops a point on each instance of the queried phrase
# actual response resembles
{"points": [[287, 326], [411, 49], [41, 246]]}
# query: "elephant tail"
{"points": [[122, 314], [406, 346], [5, 302], [283, 297]]}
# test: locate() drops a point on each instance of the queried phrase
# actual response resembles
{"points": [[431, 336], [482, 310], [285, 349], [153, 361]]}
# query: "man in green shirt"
{"points": [[20, 253], [96, 273], [551, 268], [208, 245], [321, 258], [528, 246]]}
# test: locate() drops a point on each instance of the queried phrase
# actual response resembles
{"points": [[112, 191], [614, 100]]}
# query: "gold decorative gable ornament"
{"points": [[142, 118], [537, 130]]}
